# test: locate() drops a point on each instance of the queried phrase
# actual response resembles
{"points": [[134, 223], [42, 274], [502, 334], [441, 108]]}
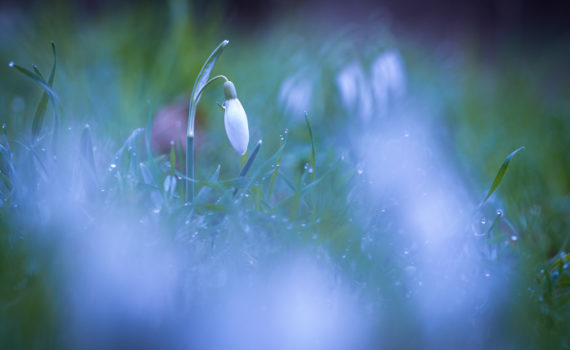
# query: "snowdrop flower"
{"points": [[355, 90], [235, 119], [388, 78], [296, 95]]}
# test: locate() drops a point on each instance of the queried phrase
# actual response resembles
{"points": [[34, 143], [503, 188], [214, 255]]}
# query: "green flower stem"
{"points": [[199, 94], [190, 141], [199, 85]]}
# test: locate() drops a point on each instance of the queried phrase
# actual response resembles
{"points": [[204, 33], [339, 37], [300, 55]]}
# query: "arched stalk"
{"points": [[202, 80]]}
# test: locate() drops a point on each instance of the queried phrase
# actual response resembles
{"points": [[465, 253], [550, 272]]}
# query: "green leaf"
{"points": [[250, 160], [201, 80], [86, 147], [275, 171], [501, 173], [37, 79], [313, 164], [42, 105], [214, 178]]}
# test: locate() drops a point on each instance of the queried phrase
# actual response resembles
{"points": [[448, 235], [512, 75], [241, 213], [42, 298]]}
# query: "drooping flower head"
{"points": [[235, 119]]}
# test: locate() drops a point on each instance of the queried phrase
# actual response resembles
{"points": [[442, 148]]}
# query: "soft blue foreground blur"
{"points": [[361, 224]]}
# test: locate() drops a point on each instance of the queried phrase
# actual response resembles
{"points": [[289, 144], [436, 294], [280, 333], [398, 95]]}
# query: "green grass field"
{"points": [[364, 224]]}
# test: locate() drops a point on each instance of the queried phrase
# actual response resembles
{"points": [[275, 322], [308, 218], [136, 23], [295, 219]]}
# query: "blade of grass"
{"points": [[42, 105], [501, 174], [313, 163], [214, 178], [275, 171], [249, 162], [37, 79], [86, 146], [251, 159]]}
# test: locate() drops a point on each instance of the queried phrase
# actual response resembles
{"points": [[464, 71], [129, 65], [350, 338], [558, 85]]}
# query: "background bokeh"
{"points": [[413, 106]]}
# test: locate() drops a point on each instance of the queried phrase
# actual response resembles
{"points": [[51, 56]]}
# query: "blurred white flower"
{"points": [[296, 95], [235, 119], [388, 79], [355, 90]]}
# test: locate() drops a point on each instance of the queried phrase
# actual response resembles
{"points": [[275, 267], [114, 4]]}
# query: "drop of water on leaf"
{"points": [[11, 64], [359, 171], [156, 211], [499, 212], [286, 131], [483, 221], [514, 238], [487, 275], [310, 170]]}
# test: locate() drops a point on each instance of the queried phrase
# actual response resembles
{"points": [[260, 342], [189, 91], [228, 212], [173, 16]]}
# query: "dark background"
{"points": [[530, 20]]}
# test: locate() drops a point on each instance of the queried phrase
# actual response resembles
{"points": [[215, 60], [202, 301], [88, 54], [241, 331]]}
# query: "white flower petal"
{"points": [[235, 121]]}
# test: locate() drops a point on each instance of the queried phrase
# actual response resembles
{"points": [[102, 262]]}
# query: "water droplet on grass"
{"points": [[359, 171], [483, 221], [499, 212], [514, 238], [11, 64]]}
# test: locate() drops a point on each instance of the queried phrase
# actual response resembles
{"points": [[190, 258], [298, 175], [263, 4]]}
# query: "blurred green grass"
{"points": [[112, 64]]}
